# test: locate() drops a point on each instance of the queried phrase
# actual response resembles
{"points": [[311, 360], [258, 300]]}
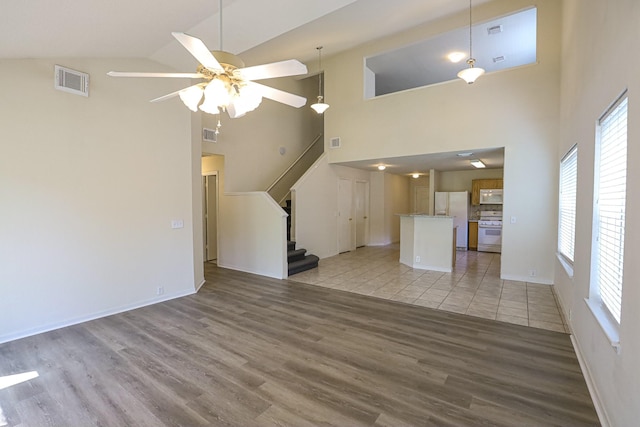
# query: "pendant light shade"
{"points": [[320, 106], [470, 74]]}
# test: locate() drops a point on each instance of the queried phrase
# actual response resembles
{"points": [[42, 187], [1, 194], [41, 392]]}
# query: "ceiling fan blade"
{"points": [[291, 67], [143, 74], [279, 95], [172, 94], [197, 48]]}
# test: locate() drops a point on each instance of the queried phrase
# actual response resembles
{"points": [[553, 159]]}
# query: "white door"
{"points": [[210, 205], [362, 207], [345, 218]]}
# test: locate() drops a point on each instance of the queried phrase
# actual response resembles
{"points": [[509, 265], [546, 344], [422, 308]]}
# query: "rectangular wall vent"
{"points": [[209, 135], [71, 81], [496, 29], [334, 142]]}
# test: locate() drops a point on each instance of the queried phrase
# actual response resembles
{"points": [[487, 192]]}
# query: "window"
{"points": [[567, 202], [609, 210]]}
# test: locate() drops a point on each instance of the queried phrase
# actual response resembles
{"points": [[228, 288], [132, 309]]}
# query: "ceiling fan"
{"points": [[228, 85]]}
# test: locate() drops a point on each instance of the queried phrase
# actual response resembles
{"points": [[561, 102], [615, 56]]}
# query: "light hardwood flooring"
{"points": [[474, 287], [253, 351]]}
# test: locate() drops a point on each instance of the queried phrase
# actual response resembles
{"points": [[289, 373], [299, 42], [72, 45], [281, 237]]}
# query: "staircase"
{"points": [[298, 260]]}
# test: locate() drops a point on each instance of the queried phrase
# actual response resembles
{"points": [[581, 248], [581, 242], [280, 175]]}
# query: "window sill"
{"points": [[568, 268], [608, 325]]}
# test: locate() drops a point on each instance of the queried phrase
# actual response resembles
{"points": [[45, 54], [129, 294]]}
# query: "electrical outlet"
{"points": [[417, 259], [160, 290]]}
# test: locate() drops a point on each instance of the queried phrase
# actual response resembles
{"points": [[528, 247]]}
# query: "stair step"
{"points": [[291, 245], [309, 262], [295, 255]]}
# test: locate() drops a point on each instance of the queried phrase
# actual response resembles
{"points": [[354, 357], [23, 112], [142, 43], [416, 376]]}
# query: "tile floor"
{"points": [[473, 288]]}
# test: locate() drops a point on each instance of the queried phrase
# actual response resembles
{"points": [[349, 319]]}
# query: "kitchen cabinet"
{"points": [[473, 235], [484, 184]]}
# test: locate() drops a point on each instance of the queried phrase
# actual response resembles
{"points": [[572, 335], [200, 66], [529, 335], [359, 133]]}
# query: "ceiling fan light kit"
{"points": [[470, 74], [228, 84]]}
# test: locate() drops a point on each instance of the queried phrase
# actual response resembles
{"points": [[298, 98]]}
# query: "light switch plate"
{"points": [[177, 223]]}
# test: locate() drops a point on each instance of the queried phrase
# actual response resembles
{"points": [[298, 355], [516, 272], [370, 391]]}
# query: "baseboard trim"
{"points": [[200, 285], [93, 316], [529, 279], [593, 391]]}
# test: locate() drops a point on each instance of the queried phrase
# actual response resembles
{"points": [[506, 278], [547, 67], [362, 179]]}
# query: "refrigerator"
{"points": [[455, 204]]}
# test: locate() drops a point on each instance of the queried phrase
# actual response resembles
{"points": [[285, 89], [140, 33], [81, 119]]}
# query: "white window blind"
{"points": [[611, 186], [567, 202]]}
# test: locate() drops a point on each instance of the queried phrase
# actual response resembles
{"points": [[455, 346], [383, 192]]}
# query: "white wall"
{"points": [[607, 31], [517, 109], [252, 234], [315, 206], [89, 187]]}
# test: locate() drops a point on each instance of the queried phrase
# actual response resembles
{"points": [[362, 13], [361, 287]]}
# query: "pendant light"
{"points": [[320, 107], [470, 74]]}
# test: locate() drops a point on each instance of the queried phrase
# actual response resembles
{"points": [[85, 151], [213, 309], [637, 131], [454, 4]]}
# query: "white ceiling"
{"points": [[261, 31]]}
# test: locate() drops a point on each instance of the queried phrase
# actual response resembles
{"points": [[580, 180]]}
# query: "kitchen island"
{"points": [[427, 242]]}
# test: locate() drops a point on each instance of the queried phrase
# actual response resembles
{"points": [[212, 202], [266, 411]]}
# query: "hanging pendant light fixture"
{"points": [[320, 106], [470, 74]]}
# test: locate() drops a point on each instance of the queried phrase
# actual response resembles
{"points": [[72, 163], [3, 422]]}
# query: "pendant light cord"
{"points": [[470, 38], [319, 70]]}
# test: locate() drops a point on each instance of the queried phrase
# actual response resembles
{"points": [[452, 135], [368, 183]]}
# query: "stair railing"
{"points": [[284, 174]]}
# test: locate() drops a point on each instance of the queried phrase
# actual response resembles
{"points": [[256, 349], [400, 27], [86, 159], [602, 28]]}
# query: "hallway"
{"points": [[473, 288]]}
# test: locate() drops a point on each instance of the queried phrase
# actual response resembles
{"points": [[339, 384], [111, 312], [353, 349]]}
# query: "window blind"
{"points": [[567, 202], [610, 206]]}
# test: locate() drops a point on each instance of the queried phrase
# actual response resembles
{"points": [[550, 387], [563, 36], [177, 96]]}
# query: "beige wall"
{"points": [[607, 31], [462, 180], [89, 187], [251, 144], [517, 109]]}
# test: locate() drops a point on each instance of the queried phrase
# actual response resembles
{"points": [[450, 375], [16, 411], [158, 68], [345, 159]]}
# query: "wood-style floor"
{"points": [[252, 351]]}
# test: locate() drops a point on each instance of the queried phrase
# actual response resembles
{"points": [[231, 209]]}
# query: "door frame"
{"points": [[205, 216], [365, 203]]}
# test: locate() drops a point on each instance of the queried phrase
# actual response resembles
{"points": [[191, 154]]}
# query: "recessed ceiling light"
{"points": [[416, 175], [467, 154], [478, 163], [381, 167], [456, 57]]}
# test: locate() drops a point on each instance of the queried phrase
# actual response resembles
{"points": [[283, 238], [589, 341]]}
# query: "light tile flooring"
{"points": [[473, 288]]}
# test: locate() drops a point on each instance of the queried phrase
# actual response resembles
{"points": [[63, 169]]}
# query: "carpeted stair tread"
{"points": [[309, 262], [295, 255]]}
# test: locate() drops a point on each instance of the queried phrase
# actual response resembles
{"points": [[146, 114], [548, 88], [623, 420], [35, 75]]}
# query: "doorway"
{"points": [[210, 216], [362, 214], [345, 218]]}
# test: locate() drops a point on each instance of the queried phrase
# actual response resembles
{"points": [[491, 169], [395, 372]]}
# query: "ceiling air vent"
{"points": [[72, 81], [334, 142], [498, 58], [209, 135]]}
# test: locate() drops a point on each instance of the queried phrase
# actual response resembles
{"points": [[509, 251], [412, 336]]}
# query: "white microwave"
{"points": [[491, 197]]}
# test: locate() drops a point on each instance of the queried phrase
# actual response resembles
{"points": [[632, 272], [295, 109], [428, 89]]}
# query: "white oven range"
{"points": [[490, 231]]}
